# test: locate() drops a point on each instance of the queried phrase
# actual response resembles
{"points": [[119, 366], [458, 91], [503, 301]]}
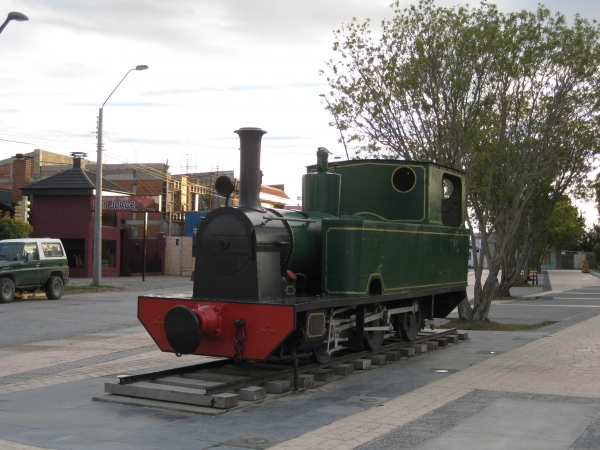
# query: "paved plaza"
{"points": [[528, 389]]}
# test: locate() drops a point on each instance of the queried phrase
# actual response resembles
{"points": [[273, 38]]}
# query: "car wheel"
{"points": [[7, 290], [54, 288]]}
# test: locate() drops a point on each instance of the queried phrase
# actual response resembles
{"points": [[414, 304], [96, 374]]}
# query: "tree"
{"points": [[565, 226], [590, 239], [13, 229], [512, 99]]}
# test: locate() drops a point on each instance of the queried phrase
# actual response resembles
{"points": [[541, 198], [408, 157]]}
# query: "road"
{"points": [[33, 320]]}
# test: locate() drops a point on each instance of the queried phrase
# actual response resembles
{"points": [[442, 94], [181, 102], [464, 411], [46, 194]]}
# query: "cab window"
{"points": [[31, 247], [451, 201], [52, 250]]}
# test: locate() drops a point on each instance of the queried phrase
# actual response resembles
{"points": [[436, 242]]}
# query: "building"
{"points": [[63, 186], [62, 207]]}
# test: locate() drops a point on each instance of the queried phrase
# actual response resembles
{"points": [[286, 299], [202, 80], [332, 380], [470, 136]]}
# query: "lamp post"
{"points": [[336, 123], [97, 265], [19, 17]]}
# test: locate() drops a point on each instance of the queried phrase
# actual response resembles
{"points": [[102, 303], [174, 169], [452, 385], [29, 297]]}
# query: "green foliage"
{"points": [[565, 227], [596, 187], [597, 252], [13, 229], [590, 239], [513, 99]]}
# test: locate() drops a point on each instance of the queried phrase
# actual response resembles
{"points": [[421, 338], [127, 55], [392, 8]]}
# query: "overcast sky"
{"points": [[215, 66]]}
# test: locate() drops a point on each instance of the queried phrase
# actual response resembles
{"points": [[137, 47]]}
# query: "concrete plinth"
{"points": [[407, 351], [322, 374], [452, 339], [361, 364], [442, 342], [342, 369], [161, 392], [278, 386], [186, 382], [431, 345], [393, 355], [305, 380], [419, 348], [252, 393], [225, 400], [463, 336], [377, 360]]}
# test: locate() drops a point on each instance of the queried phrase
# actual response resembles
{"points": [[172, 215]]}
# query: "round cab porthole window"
{"points": [[404, 179]]}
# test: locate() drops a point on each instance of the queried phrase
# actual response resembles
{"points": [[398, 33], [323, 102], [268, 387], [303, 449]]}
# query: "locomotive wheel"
{"points": [[374, 339], [411, 325], [320, 355]]}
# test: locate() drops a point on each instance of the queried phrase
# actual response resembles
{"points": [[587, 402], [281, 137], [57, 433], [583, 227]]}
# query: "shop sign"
{"points": [[130, 203]]}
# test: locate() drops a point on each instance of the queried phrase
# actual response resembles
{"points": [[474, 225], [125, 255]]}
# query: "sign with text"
{"points": [[130, 203]]}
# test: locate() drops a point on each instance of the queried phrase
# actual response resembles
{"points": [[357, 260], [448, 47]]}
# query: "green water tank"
{"points": [[321, 189]]}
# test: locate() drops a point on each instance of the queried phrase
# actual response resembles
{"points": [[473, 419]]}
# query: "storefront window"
{"points": [[109, 219], [109, 254], [75, 250]]}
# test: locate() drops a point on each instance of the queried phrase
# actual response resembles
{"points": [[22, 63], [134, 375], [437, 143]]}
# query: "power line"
{"points": [[38, 145]]}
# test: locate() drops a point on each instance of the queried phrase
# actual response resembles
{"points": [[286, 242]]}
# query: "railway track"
{"points": [[217, 386]]}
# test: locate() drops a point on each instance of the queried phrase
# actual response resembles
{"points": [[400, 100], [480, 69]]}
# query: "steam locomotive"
{"points": [[378, 250]]}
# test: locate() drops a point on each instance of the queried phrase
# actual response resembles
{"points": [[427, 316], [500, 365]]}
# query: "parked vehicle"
{"points": [[30, 264]]}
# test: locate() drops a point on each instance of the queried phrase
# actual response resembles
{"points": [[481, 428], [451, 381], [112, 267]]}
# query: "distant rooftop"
{"points": [[69, 181]]}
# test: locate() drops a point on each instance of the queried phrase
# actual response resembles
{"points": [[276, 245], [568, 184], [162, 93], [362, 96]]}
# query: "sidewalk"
{"points": [[157, 282], [563, 364], [538, 390], [559, 281]]}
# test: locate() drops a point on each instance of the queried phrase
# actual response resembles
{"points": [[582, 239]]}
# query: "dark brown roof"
{"points": [[71, 182]]}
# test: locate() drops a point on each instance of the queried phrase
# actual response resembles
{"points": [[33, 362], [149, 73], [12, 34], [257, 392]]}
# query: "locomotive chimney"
{"points": [[250, 174]]}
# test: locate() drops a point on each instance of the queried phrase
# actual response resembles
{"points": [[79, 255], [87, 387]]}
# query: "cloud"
{"points": [[148, 141], [283, 138], [248, 88], [174, 92], [308, 85], [122, 104], [206, 25]]}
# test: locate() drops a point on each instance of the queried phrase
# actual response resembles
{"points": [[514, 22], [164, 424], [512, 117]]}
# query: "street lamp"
{"points": [[19, 17], [97, 266], [336, 123]]}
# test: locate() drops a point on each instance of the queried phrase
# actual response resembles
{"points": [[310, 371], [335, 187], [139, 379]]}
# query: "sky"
{"points": [[214, 66]]}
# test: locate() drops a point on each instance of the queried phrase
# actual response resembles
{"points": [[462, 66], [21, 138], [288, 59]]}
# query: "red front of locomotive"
{"points": [[216, 328]]}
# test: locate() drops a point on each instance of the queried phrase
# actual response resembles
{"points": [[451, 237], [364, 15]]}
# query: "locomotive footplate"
{"points": [[439, 293]]}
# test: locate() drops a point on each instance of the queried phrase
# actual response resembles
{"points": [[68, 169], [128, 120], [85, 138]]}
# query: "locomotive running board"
{"points": [[309, 303]]}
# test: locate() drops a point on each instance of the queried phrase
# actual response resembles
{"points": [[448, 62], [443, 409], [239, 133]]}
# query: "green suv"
{"points": [[30, 264]]}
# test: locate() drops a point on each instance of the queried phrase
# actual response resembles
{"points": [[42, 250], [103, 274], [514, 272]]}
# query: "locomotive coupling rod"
{"points": [[268, 219]]}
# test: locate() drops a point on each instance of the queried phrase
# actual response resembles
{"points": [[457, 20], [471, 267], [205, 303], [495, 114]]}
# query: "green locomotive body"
{"points": [[381, 227]]}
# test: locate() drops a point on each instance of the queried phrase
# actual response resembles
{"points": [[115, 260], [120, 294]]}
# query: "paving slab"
{"points": [[499, 419]]}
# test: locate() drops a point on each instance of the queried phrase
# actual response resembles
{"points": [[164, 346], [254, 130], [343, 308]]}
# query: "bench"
{"points": [[533, 276]]}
